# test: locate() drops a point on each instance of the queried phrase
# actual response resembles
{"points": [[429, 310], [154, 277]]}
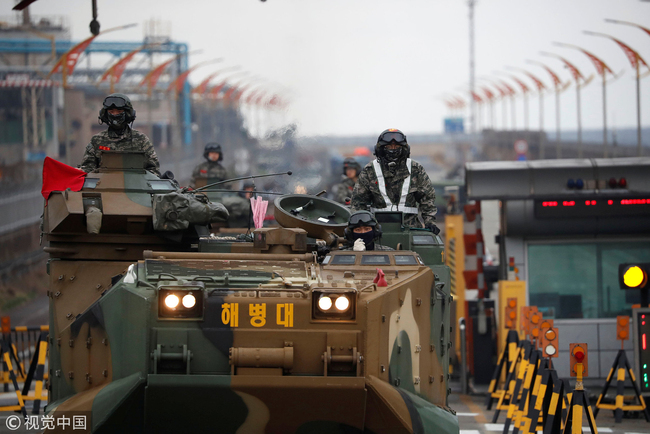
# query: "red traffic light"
{"points": [[579, 355]]}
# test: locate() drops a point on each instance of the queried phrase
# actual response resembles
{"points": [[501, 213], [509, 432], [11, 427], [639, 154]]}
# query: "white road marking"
{"points": [[469, 431], [497, 427], [587, 429], [466, 414]]}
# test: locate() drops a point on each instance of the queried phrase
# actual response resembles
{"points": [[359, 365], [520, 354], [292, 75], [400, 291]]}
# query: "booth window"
{"points": [[580, 280]]}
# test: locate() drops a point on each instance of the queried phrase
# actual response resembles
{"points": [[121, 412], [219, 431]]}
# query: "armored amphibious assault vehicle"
{"points": [[157, 325]]}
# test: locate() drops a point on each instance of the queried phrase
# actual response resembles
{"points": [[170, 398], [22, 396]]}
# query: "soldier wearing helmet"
{"points": [[362, 232], [394, 182], [210, 170], [343, 190], [117, 112]]}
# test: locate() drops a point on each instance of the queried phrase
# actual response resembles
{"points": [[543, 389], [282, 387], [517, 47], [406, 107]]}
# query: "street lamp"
{"points": [[490, 99], [503, 95], [540, 90], [559, 87], [602, 69], [476, 100], [634, 58], [577, 76], [509, 91], [524, 90]]}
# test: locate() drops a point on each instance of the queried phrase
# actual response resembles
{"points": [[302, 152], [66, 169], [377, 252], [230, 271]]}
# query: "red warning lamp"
{"points": [[6, 325], [622, 183], [578, 355]]}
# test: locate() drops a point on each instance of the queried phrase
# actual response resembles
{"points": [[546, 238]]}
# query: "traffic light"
{"points": [[511, 313], [622, 327], [549, 341], [5, 321], [546, 324], [535, 322], [525, 316], [633, 276], [578, 355]]}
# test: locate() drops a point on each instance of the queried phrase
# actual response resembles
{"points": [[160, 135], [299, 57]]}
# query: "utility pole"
{"points": [[472, 116]]}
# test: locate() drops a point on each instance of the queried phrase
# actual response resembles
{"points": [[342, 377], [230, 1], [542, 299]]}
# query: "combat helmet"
{"points": [[362, 218], [212, 147], [351, 163], [392, 135], [118, 101]]}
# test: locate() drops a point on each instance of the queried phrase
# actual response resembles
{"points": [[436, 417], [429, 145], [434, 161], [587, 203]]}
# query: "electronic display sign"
{"points": [[592, 207]]}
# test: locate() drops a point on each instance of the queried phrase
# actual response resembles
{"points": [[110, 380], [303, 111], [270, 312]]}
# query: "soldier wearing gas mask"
{"points": [[118, 113], [394, 182]]}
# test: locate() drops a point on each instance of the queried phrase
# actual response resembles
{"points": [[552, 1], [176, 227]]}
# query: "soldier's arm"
{"points": [[340, 193], [152, 164], [427, 196], [361, 196], [90, 160]]}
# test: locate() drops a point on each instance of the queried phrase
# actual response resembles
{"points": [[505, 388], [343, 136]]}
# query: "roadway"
{"points": [[470, 409], [475, 419]]}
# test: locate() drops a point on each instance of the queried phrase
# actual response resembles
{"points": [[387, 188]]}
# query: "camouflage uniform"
{"points": [[421, 193], [210, 170], [344, 189], [110, 140]]}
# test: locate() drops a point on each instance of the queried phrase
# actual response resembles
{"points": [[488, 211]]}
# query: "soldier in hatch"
{"points": [[210, 170], [393, 182], [118, 113], [343, 190], [362, 232]]}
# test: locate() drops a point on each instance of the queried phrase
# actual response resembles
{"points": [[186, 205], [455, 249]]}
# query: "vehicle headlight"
{"points": [[171, 301], [189, 301], [334, 304], [324, 303], [342, 303], [180, 302]]}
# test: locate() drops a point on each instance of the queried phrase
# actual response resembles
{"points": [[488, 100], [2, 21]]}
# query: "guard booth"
{"points": [[569, 224]]}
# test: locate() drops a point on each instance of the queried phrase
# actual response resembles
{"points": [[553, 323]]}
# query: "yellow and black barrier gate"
{"points": [[27, 348], [529, 381], [621, 366], [524, 378], [523, 353], [507, 359], [7, 355], [547, 405]]}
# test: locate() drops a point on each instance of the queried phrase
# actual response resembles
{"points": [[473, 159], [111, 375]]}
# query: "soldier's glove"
{"points": [[433, 228]]}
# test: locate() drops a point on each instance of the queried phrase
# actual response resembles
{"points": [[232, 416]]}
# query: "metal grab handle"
{"points": [[158, 355], [355, 359]]}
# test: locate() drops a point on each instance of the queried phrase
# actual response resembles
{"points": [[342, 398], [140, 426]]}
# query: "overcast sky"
{"points": [[360, 66]]}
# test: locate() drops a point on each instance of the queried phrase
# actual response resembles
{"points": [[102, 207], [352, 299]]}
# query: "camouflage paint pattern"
{"points": [[421, 193], [112, 351], [129, 140]]}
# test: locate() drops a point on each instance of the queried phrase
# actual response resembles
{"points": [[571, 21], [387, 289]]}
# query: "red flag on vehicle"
{"points": [[59, 177]]}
